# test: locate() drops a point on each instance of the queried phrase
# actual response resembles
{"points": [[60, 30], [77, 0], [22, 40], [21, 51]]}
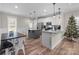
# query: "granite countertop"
{"points": [[5, 36]]}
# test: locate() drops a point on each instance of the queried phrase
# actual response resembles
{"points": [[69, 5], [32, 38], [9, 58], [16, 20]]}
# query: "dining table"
{"points": [[6, 40]]}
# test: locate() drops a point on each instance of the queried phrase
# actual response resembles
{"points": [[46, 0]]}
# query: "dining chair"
{"points": [[2, 51], [20, 46]]}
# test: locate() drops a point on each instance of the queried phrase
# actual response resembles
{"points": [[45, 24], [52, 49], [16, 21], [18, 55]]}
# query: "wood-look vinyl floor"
{"points": [[35, 47]]}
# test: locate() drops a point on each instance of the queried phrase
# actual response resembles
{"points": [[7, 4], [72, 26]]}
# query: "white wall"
{"points": [[3, 23], [66, 17], [23, 24]]}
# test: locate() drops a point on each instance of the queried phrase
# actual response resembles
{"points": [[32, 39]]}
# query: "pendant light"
{"points": [[35, 18], [54, 9], [59, 12], [34, 12]]}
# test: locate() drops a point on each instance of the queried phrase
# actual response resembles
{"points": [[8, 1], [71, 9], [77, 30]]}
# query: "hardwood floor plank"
{"points": [[35, 47]]}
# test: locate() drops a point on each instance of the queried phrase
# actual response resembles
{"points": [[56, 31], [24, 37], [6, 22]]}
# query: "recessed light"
{"points": [[45, 10], [15, 6]]}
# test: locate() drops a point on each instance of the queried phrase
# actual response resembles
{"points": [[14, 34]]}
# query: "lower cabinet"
{"points": [[47, 40]]}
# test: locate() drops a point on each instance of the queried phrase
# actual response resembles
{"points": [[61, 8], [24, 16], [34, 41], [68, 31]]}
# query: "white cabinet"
{"points": [[46, 39], [51, 39]]}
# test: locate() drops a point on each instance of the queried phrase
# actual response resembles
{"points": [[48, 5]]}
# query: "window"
{"points": [[12, 24]]}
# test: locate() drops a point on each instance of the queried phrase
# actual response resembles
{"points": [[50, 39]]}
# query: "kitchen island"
{"points": [[51, 39]]}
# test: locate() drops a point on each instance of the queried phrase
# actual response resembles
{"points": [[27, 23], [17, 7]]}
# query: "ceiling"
{"points": [[26, 9]]}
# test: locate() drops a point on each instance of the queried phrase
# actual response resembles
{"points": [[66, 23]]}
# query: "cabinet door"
{"points": [[46, 40]]}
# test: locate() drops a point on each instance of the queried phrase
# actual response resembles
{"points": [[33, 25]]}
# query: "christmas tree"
{"points": [[71, 31]]}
